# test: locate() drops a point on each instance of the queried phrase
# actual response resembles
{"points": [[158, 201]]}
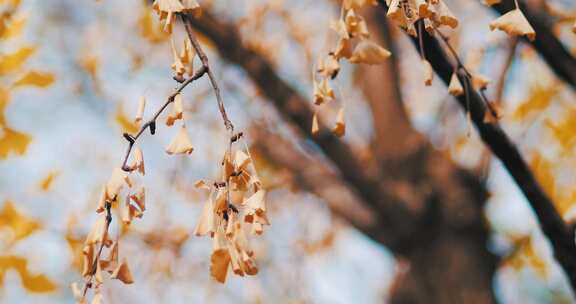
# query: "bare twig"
{"points": [[204, 59], [152, 122], [500, 84]]}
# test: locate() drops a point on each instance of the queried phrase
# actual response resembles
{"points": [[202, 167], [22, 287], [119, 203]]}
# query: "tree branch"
{"points": [[548, 46], [152, 122], [553, 227], [397, 219], [198, 48]]}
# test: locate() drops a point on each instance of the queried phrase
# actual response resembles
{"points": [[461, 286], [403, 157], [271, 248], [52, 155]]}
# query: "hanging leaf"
{"points": [[12, 62], [150, 30], [127, 124], [35, 78]]}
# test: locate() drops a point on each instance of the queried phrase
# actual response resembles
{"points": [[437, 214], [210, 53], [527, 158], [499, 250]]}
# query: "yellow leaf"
{"points": [[47, 181], [543, 169], [34, 78], [12, 62], [149, 30], [34, 283], [538, 100], [524, 254], [12, 29], [21, 225], [90, 65], [564, 131], [12, 142], [126, 123], [4, 98]]}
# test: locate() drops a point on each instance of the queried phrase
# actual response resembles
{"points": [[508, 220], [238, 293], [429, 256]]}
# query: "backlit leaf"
{"points": [[564, 131], [538, 100], [12, 62], [36, 283], [13, 142], [35, 78], [127, 124], [47, 181], [20, 224], [12, 28], [150, 30]]}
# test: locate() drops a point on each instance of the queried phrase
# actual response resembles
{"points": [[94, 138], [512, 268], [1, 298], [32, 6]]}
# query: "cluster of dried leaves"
{"points": [[235, 206], [413, 16], [353, 45], [236, 202]]}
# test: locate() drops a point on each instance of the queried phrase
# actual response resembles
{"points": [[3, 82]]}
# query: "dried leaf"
{"points": [[35, 78], [315, 126], [514, 24], [181, 143], [369, 52], [177, 110], [340, 126], [98, 233], [219, 262], [140, 112], [428, 72], [455, 87], [322, 92], [117, 180], [206, 223], [122, 273]]}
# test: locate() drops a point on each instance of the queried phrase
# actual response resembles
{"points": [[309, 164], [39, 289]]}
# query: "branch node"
{"points": [[129, 138]]}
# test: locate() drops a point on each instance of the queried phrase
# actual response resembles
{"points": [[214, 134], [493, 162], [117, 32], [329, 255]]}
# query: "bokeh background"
{"points": [[60, 138]]}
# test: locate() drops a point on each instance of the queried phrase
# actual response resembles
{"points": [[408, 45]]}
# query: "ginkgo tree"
{"points": [[396, 187]]}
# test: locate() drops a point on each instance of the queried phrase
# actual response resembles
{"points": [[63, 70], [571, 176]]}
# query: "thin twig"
{"points": [[500, 84], [88, 283], [152, 122], [204, 59]]}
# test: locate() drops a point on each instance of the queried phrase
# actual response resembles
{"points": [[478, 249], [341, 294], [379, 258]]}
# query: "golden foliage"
{"points": [[126, 123], [47, 181], [149, 29], [35, 78], [34, 283], [544, 171], [539, 99], [12, 141], [524, 255], [564, 131], [12, 62], [21, 225], [11, 28]]}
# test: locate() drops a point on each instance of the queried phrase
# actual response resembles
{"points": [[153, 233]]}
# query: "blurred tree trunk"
{"points": [[448, 259]]}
